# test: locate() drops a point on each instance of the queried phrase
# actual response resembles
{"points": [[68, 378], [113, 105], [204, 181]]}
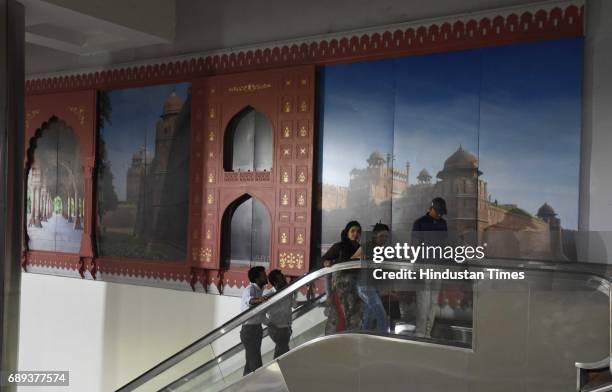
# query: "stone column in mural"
{"points": [[77, 213], [43, 204], [32, 221], [39, 204], [37, 207], [70, 208]]}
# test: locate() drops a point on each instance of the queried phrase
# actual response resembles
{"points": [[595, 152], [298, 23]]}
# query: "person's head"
{"points": [[351, 232], [277, 279], [380, 234], [438, 208], [258, 276]]}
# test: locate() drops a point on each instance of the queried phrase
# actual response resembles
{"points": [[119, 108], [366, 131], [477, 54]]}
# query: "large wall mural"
{"points": [[146, 198], [481, 128], [143, 172]]}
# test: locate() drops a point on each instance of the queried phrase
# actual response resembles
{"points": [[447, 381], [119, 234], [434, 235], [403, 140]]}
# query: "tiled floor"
{"points": [[57, 234]]}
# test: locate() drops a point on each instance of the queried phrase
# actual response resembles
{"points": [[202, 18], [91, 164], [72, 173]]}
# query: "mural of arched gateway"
{"points": [[55, 189]]}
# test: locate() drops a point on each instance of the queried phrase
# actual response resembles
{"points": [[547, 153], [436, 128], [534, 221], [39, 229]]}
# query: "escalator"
{"points": [[227, 367], [483, 348]]}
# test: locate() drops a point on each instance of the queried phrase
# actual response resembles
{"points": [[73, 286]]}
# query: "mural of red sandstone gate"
{"points": [[55, 190]]}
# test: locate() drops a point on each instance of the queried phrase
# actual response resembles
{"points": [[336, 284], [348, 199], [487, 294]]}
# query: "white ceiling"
{"points": [[70, 34], [92, 27]]}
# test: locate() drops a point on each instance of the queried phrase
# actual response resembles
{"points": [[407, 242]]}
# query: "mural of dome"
{"points": [[461, 162], [141, 156], [461, 159], [138, 155], [173, 104], [424, 176], [546, 211], [376, 159]]}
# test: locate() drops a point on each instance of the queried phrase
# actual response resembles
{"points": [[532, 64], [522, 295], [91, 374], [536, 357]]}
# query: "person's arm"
{"points": [[253, 300], [417, 234], [268, 317], [358, 254], [257, 300], [331, 255]]}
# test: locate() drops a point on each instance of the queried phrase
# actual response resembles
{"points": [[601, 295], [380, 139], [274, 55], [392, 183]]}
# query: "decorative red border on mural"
{"points": [[429, 38], [438, 37]]}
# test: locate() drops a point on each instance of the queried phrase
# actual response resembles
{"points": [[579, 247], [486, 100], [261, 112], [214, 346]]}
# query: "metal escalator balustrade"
{"points": [[215, 361], [237, 350]]}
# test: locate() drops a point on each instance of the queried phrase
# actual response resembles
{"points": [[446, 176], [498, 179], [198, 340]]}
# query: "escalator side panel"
{"points": [[358, 362], [500, 337], [389, 365], [328, 364], [267, 379]]}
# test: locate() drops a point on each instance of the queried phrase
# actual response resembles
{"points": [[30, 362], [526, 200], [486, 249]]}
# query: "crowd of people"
{"points": [[353, 304]]}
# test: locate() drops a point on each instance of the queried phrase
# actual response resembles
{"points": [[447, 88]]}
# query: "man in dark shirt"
{"points": [[432, 221], [429, 230]]}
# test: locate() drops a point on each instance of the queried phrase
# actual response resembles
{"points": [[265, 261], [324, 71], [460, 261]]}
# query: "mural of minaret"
{"points": [[424, 177], [548, 215], [459, 186], [135, 179]]}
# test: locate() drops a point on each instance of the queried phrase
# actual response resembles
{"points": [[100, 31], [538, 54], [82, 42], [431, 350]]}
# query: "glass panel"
{"points": [[142, 176], [263, 143], [241, 237], [260, 234], [70, 178], [55, 194], [356, 143], [436, 136], [248, 142], [244, 142], [531, 108], [179, 370], [247, 242], [208, 381]]}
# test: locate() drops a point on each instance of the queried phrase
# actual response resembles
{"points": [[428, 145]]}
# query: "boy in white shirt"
{"points": [[251, 333]]}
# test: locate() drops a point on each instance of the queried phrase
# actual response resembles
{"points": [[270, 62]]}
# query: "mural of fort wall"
{"points": [[378, 193]]}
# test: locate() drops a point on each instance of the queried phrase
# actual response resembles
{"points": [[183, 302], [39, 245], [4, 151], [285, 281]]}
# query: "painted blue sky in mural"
{"points": [[517, 108], [135, 113], [356, 109]]}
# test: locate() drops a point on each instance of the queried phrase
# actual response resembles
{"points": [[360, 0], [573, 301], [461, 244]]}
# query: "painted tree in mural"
{"points": [[107, 196], [55, 189]]}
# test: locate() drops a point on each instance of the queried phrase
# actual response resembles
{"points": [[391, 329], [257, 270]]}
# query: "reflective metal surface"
{"points": [[266, 379]]}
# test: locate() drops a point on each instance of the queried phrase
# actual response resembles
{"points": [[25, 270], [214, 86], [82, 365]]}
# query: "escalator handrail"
{"points": [[312, 276]]}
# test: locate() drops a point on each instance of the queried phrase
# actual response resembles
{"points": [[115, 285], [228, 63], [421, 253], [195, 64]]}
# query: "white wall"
{"points": [[107, 333]]}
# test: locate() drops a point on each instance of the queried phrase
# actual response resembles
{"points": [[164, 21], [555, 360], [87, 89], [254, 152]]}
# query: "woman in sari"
{"points": [[345, 305]]}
